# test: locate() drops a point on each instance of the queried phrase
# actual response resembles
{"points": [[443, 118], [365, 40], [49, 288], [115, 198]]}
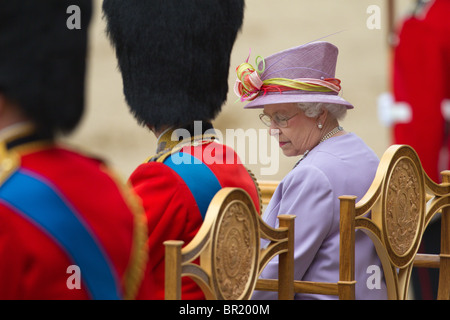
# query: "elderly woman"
{"points": [[299, 94]]}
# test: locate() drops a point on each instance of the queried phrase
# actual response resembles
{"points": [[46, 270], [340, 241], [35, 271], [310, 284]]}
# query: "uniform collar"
{"points": [[18, 135], [189, 134]]}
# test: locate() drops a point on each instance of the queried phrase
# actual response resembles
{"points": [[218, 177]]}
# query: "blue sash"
{"points": [[37, 201], [199, 178]]}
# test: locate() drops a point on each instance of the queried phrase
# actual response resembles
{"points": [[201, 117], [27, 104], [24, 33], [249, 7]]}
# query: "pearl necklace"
{"points": [[325, 137], [331, 133]]}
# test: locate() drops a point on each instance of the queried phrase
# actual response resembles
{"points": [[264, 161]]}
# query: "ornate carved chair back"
{"points": [[267, 190], [402, 201], [228, 244]]}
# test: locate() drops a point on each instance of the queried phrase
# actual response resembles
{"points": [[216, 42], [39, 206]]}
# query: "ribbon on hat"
{"points": [[249, 84]]}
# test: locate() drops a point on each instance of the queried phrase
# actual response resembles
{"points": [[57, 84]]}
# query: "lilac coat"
{"points": [[342, 165]]}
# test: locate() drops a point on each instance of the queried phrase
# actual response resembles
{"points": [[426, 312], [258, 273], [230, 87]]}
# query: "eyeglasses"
{"points": [[280, 121]]}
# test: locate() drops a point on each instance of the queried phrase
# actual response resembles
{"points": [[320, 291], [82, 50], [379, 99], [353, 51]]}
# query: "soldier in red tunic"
{"points": [[421, 102], [174, 59], [68, 229], [420, 79]]}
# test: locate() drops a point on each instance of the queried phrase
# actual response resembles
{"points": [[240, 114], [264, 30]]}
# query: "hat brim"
{"points": [[287, 97]]}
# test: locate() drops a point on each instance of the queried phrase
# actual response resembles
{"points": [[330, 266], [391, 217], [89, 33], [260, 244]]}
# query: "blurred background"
{"points": [[109, 131]]}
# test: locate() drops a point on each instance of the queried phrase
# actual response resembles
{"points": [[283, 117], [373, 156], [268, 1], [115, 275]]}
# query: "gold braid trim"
{"points": [[194, 141], [9, 162], [139, 254], [258, 189], [134, 274]]}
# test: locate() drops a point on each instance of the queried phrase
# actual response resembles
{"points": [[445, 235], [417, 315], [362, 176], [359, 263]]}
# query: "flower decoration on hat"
{"points": [[249, 83]]}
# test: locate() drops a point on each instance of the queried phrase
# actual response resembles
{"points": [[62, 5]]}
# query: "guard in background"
{"points": [[68, 230], [418, 109], [421, 79], [174, 59]]}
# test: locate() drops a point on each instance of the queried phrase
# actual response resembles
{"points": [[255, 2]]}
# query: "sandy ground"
{"points": [[109, 131]]}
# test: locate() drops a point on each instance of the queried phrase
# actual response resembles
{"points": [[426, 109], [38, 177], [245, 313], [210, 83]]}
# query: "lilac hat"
{"points": [[301, 74]]}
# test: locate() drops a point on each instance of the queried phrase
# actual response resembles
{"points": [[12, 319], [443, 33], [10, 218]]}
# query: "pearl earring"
{"points": [[319, 126]]}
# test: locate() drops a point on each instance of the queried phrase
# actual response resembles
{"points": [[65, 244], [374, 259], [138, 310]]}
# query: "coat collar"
{"points": [[174, 137]]}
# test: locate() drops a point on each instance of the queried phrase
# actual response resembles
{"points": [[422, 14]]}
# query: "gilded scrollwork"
{"points": [[403, 203], [235, 251]]}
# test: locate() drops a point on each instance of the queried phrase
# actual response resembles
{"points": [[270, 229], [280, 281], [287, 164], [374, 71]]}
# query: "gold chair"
{"points": [[267, 189], [228, 244], [402, 200]]}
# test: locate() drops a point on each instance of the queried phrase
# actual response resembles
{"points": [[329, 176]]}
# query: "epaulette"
{"points": [[9, 162], [160, 156]]}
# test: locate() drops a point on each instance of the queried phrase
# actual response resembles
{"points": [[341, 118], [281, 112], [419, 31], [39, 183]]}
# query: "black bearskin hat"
{"points": [[43, 60], [174, 56]]}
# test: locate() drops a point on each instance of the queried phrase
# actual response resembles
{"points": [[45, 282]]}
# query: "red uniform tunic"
{"points": [[176, 191], [61, 189], [421, 78]]}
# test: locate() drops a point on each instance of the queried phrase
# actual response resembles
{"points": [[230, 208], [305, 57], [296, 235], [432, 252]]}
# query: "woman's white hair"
{"points": [[313, 109]]}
